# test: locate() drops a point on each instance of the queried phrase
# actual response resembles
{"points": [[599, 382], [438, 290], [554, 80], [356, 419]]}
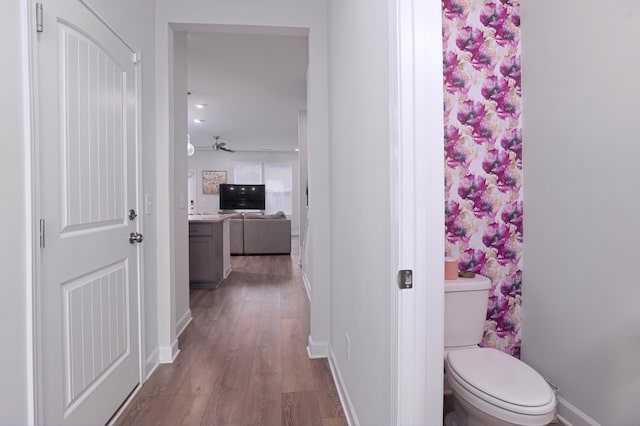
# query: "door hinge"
{"points": [[405, 279], [135, 58], [42, 232], [39, 25]]}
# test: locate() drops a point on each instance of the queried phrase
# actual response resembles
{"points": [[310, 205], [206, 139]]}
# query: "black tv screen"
{"points": [[241, 197]]}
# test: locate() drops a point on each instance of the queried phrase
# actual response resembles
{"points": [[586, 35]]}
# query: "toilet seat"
{"points": [[500, 385]]}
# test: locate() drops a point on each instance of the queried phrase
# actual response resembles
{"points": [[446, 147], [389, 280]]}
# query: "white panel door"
{"points": [[89, 326]]}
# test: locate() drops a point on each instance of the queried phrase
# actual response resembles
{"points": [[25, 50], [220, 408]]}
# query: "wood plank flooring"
{"points": [[243, 359]]}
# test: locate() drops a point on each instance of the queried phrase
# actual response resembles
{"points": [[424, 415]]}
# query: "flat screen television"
{"points": [[241, 197]]}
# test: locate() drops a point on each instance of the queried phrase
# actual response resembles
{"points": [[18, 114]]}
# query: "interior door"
{"points": [[88, 293]]}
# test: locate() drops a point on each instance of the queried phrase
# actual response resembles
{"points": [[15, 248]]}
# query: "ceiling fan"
{"points": [[220, 146]]}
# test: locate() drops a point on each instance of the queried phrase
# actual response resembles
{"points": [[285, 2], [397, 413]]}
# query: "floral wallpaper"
{"points": [[483, 154]]}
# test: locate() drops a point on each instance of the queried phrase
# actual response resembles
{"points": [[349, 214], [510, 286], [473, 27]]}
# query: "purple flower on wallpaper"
{"points": [[453, 9], [454, 155], [483, 206], [494, 88], [512, 141], [498, 312], [456, 158], [506, 35], [455, 229], [506, 325], [515, 350], [496, 308], [470, 39], [482, 134], [506, 107], [472, 187], [482, 59], [512, 214], [472, 260], [515, 19], [471, 113], [508, 181], [493, 15], [451, 212], [507, 253], [450, 62], [496, 235], [496, 162], [457, 83], [510, 68], [513, 286], [453, 80], [457, 232], [451, 136]]}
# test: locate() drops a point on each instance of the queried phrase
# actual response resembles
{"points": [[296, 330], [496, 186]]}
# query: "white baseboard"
{"points": [[226, 272], [183, 322], [345, 398], [571, 416], [152, 362], [307, 285], [168, 354], [317, 349]]}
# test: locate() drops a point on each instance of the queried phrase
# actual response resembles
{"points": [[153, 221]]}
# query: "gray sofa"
{"points": [[253, 234]]}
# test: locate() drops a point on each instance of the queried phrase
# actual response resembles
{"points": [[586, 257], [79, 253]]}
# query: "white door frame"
{"points": [[417, 176], [33, 311]]}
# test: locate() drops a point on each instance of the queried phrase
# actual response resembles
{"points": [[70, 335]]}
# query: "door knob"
{"points": [[135, 237]]}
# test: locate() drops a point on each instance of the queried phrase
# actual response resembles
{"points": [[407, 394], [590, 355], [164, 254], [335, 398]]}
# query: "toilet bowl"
{"points": [[493, 388], [489, 387]]}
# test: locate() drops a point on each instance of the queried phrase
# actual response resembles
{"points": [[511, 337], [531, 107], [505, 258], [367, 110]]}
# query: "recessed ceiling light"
{"points": [[200, 106], [296, 150], [197, 120]]}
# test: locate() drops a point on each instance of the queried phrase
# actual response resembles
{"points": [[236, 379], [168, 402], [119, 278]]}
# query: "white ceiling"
{"points": [[253, 86]]}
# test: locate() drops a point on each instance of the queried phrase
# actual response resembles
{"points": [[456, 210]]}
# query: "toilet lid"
{"points": [[500, 376]]}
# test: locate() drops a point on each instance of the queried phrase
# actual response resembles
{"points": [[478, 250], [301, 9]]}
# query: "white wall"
{"points": [[360, 198], [309, 14], [181, 224], [581, 322], [14, 219], [303, 171], [224, 161]]}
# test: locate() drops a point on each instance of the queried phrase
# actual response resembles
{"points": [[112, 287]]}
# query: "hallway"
{"points": [[243, 359]]}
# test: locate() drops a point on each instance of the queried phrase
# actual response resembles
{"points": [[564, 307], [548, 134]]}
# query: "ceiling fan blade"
{"points": [[226, 149]]}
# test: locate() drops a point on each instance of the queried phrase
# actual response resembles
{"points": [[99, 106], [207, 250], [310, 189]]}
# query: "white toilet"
{"points": [[489, 386]]}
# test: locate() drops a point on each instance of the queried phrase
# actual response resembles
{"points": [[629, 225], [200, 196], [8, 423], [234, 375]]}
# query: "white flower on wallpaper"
{"points": [[483, 154]]}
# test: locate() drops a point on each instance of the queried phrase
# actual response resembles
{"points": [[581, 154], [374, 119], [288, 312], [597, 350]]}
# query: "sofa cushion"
{"points": [[267, 236], [277, 215]]}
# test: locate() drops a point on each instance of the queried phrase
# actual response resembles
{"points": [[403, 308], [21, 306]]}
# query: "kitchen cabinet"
{"points": [[209, 259]]}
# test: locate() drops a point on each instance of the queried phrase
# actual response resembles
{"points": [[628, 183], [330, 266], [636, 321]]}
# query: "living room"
{"points": [[246, 118]]}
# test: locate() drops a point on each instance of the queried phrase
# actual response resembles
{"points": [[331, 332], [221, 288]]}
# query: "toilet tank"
{"points": [[465, 310]]}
